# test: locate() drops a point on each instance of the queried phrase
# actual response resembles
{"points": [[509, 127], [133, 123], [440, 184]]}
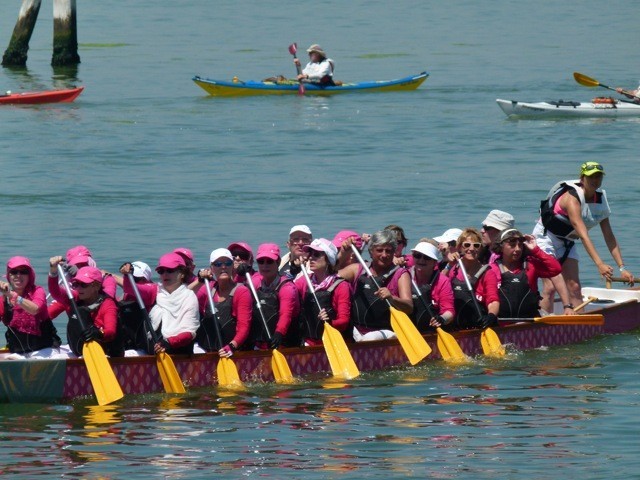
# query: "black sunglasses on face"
{"points": [[19, 271], [268, 261], [242, 255], [162, 271]]}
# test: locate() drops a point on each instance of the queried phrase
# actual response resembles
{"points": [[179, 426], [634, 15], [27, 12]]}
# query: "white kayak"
{"points": [[598, 107]]}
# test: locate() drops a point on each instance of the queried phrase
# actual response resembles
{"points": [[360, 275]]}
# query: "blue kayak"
{"points": [[235, 87]]}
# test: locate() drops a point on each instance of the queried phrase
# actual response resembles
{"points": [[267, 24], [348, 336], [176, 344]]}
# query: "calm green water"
{"points": [[144, 161]]}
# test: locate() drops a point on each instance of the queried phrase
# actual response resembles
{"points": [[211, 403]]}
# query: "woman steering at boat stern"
{"points": [[570, 210]]}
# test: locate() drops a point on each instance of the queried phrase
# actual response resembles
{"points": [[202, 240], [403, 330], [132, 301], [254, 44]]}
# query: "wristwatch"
{"points": [[568, 305]]}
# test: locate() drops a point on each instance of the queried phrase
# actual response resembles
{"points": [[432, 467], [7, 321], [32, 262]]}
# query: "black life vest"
{"points": [[420, 314], [466, 313], [21, 342], [75, 327], [312, 326], [270, 304], [367, 310], [207, 336], [131, 320], [560, 225], [517, 300]]}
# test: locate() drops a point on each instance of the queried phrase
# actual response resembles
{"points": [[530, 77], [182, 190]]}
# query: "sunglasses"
{"points": [[296, 240], [162, 271], [315, 254], [242, 255], [226, 263], [468, 245], [268, 261], [420, 256], [590, 168], [487, 227], [77, 285], [19, 271]]}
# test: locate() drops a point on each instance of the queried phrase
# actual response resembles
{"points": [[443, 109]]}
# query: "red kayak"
{"points": [[46, 96]]}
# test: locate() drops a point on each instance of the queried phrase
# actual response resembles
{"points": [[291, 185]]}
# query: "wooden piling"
{"points": [[65, 33], [16, 53]]}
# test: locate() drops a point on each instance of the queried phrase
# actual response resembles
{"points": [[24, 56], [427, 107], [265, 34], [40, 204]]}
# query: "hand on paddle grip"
{"points": [[92, 333], [276, 340], [227, 350], [126, 268], [488, 320], [437, 322]]}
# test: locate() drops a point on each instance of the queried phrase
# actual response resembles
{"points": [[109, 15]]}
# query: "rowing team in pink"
{"points": [[462, 279]]}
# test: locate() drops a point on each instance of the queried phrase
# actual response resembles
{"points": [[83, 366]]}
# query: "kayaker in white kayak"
{"points": [[566, 215], [319, 69]]}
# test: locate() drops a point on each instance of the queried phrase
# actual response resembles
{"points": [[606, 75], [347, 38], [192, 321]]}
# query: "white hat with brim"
{"points": [[325, 246], [450, 235], [429, 250], [300, 228], [220, 253], [499, 220]]}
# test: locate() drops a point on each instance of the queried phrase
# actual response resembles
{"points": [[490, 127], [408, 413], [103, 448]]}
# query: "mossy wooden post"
{"points": [[65, 33], [16, 53]]}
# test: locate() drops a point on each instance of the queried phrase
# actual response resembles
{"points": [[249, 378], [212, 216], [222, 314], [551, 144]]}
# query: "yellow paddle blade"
{"points": [[168, 374], [449, 348], [413, 343], [228, 373], [281, 370], [491, 344], [340, 359], [586, 319], [584, 80], [104, 381]]}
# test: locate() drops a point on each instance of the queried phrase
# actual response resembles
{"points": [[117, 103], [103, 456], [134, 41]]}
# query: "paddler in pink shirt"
{"points": [[332, 292], [279, 299], [435, 289], [23, 310], [233, 304]]}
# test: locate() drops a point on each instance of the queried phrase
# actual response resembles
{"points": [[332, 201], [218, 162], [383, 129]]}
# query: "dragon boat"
{"points": [[238, 88], [63, 380]]}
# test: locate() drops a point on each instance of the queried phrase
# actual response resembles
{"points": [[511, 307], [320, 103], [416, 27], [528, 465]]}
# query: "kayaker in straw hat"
{"points": [[571, 208], [319, 69]]}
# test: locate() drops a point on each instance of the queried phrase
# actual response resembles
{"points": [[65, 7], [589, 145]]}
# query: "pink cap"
{"points": [[185, 253], [79, 259], [171, 260], [343, 235], [15, 262], [88, 275], [19, 262], [268, 250], [242, 245], [78, 250]]}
